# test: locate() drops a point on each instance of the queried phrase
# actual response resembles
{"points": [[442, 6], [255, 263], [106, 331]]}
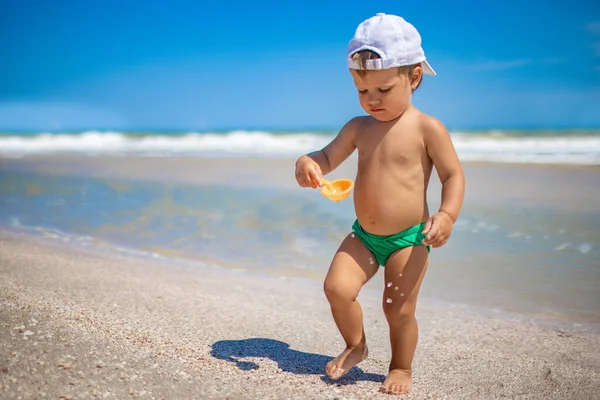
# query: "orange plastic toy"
{"points": [[336, 190]]}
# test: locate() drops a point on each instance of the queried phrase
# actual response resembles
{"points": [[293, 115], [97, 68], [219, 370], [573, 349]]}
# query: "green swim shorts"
{"points": [[383, 246]]}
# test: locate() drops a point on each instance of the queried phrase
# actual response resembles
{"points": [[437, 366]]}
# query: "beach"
{"points": [[155, 242], [196, 277], [87, 325]]}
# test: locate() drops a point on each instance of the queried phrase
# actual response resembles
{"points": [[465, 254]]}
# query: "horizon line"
{"points": [[281, 130]]}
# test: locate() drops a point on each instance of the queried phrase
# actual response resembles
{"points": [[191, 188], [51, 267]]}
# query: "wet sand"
{"points": [[89, 325], [564, 187]]}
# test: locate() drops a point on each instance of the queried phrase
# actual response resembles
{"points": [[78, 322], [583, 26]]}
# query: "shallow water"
{"points": [[531, 260]]}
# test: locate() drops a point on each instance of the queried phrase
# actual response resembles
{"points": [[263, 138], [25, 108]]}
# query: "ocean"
{"points": [[514, 146], [529, 252]]}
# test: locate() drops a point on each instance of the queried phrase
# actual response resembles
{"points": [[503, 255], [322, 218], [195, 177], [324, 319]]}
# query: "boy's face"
{"points": [[383, 94]]}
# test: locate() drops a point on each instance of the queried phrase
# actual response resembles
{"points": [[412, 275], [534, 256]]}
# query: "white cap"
{"points": [[397, 42]]}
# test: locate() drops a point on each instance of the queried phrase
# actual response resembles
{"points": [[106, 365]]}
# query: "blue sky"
{"points": [[216, 65]]}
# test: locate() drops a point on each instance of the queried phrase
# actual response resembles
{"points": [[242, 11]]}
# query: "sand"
{"points": [[82, 324], [561, 187]]}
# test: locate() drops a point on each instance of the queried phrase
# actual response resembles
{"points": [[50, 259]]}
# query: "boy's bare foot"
{"points": [[345, 361], [398, 381]]}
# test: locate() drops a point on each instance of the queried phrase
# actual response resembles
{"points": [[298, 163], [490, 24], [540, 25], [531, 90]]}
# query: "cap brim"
{"points": [[427, 68]]}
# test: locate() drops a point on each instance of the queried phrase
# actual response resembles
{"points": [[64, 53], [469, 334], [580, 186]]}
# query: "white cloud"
{"points": [[593, 28], [501, 65], [554, 60]]}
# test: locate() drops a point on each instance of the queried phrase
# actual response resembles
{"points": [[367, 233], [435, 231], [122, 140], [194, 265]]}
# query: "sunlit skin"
{"points": [[398, 146]]}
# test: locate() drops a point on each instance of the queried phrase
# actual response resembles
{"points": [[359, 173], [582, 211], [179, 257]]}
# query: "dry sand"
{"points": [[77, 324]]}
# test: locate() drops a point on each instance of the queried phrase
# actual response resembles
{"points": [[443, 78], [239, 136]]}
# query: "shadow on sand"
{"points": [[288, 360]]}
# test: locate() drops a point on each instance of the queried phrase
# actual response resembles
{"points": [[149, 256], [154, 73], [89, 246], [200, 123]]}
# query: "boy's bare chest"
{"points": [[392, 147]]}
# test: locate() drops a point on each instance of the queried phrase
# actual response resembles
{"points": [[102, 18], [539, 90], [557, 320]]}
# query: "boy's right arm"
{"points": [[311, 167]]}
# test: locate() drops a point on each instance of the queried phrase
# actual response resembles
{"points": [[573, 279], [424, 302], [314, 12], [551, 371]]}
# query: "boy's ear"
{"points": [[417, 75]]}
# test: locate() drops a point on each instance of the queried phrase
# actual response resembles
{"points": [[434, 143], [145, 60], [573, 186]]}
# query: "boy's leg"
{"points": [[404, 272], [352, 266]]}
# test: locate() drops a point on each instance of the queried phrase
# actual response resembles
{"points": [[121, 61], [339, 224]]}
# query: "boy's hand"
{"points": [[308, 172], [438, 229]]}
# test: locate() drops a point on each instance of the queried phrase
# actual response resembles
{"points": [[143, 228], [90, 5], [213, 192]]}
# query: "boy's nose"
{"points": [[373, 100]]}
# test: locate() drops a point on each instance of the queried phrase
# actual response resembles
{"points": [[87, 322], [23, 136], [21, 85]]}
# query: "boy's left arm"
{"points": [[441, 151]]}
